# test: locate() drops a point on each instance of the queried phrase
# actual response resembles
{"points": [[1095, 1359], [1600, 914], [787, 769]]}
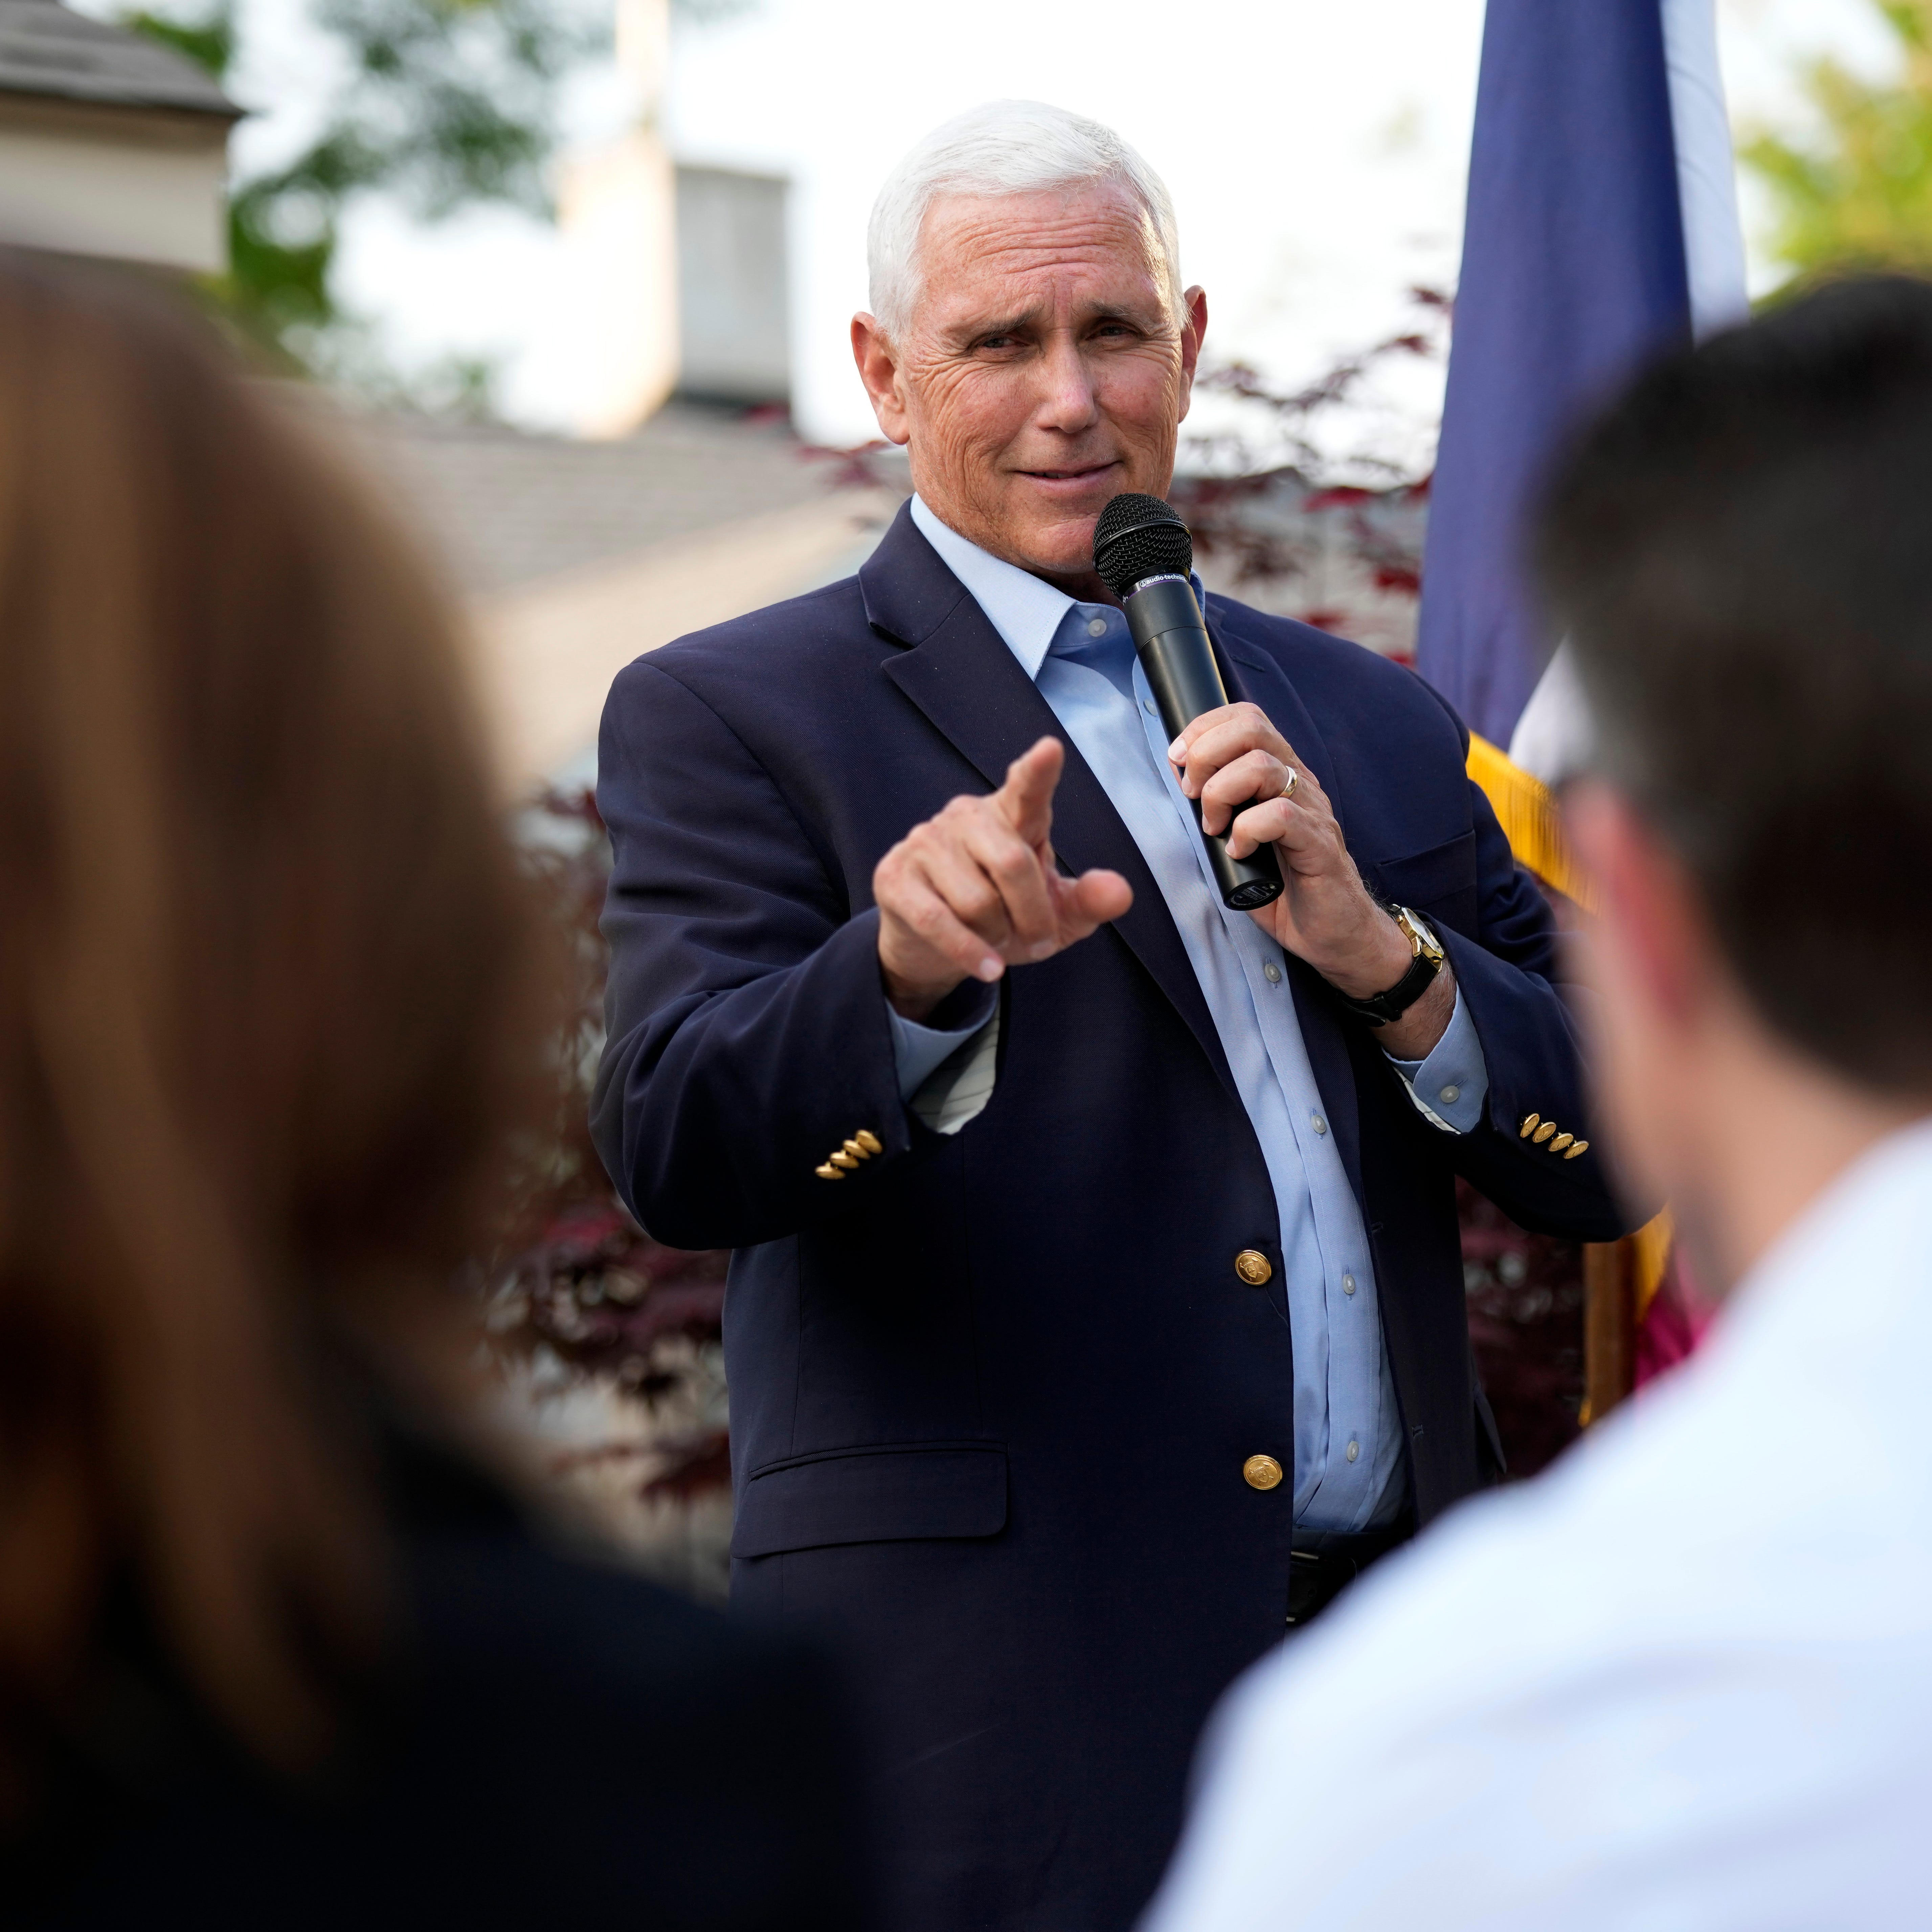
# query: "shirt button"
{"points": [[1147, 705], [1272, 973], [1354, 1450], [1450, 1095], [1320, 1126], [1097, 627], [1348, 1284]]}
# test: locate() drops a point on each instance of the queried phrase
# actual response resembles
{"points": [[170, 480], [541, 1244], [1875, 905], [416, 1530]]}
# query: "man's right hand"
{"points": [[977, 889]]}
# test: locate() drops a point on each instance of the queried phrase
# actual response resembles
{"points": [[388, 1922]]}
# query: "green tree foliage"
{"points": [[1858, 193], [441, 103], [209, 43]]}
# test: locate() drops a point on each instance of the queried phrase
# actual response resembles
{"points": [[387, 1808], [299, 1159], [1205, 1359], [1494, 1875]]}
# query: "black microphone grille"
{"points": [[1138, 537]]}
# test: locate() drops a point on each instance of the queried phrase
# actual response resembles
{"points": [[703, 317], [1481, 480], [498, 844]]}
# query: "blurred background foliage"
{"points": [[438, 104], [611, 1341], [1855, 190]]}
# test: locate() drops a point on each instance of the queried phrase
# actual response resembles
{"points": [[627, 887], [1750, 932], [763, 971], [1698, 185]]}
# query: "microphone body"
{"points": [[1170, 640]]}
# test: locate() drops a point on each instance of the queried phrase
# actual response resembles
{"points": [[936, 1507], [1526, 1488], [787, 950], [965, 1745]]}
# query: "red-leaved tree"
{"points": [[578, 1288]]}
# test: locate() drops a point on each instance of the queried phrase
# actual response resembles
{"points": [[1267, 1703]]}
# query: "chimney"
{"points": [[617, 207]]}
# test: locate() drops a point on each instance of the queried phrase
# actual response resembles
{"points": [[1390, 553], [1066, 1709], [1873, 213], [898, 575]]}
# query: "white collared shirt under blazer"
{"points": [[1681, 1682]]}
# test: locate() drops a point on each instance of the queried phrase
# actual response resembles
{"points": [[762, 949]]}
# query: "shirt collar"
{"points": [[1025, 610]]}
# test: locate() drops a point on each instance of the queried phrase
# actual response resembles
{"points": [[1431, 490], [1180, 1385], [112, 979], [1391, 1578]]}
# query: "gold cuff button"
{"points": [[1544, 1133], [1580, 1147], [1528, 1127], [1261, 1472], [828, 1173], [1254, 1267], [869, 1140], [842, 1159], [856, 1150]]}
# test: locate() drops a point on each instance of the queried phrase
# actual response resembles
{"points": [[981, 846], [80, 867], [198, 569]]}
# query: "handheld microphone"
{"points": [[1144, 553]]}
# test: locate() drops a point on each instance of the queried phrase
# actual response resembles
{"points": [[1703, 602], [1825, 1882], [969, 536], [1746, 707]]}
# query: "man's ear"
{"points": [[879, 370], [1196, 299], [1655, 922]]}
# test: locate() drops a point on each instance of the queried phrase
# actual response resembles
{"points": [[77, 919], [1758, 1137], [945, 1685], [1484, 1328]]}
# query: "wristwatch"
{"points": [[1425, 962]]}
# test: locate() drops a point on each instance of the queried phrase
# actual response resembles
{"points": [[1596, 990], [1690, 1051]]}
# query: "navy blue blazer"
{"points": [[991, 1394]]}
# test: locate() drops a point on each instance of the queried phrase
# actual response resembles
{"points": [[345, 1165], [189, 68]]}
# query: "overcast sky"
{"points": [[1316, 152]]}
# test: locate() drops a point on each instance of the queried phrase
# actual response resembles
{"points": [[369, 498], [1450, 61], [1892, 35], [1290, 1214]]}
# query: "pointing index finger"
{"points": [[1026, 799]]}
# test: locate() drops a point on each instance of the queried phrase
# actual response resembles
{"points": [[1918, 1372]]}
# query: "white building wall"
{"points": [[67, 184], [734, 319]]}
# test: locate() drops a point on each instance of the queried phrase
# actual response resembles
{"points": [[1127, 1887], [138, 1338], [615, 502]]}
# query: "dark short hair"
{"points": [[1740, 551]]}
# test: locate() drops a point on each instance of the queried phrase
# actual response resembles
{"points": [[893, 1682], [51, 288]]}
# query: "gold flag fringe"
{"points": [[1526, 809]]}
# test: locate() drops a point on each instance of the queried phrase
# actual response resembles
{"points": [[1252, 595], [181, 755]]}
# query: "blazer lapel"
{"points": [[958, 671], [1254, 677]]}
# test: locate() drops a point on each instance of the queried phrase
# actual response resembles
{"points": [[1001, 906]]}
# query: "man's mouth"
{"points": [[1086, 472]]}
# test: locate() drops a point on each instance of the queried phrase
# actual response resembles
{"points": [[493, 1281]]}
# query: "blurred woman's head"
{"points": [[265, 1003]]}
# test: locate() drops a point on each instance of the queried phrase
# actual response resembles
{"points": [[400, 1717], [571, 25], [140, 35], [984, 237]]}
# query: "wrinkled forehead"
{"points": [[1091, 244]]}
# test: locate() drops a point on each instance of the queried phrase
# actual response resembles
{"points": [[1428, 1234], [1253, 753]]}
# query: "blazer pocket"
{"points": [[895, 1492], [1444, 877]]}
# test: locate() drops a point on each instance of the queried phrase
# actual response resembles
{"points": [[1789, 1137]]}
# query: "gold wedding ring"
{"points": [[1287, 790]]}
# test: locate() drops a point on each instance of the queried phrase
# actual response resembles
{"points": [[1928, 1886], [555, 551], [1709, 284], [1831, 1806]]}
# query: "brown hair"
{"points": [[265, 1012]]}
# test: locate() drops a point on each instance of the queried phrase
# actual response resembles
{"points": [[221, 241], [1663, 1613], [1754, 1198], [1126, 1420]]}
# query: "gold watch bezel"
{"points": [[1423, 944]]}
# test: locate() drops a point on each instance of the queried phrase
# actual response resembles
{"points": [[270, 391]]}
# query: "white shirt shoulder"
{"points": [[1684, 1680]]}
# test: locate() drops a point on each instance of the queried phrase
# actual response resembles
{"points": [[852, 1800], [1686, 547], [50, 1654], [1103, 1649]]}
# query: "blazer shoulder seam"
{"points": [[1449, 711], [805, 831]]}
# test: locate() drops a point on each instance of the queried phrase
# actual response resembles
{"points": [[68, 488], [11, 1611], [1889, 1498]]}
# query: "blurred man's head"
{"points": [[1029, 341], [1741, 551]]}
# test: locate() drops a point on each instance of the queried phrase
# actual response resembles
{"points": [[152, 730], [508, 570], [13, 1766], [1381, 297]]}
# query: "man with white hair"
{"points": [[1097, 1311]]}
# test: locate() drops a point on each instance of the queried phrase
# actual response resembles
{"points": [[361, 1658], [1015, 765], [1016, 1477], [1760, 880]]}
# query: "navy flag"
{"points": [[1602, 228]]}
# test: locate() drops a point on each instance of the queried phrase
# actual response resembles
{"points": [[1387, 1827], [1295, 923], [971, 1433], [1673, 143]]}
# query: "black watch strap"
{"points": [[1384, 1009]]}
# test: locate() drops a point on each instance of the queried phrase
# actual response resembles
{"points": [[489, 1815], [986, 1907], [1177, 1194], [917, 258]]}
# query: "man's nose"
{"points": [[1068, 403]]}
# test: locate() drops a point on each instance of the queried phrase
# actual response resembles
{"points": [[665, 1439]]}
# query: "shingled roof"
{"points": [[510, 509], [46, 50]]}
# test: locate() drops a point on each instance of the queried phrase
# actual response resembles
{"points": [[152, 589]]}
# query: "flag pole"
{"points": [[1609, 1325]]}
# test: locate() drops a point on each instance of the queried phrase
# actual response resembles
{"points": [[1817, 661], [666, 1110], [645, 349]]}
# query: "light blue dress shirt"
{"points": [[1349, 1473]]}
